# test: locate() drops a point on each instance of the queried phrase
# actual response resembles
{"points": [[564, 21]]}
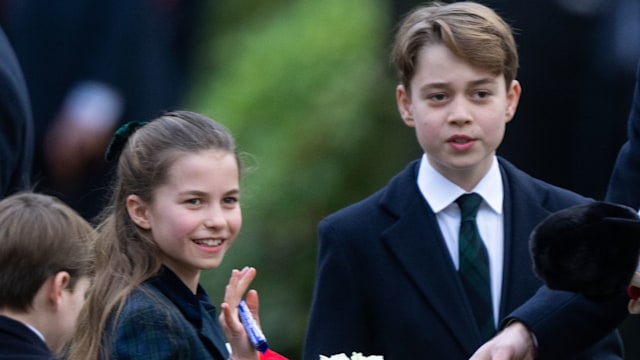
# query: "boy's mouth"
{"points": [[460, 139], [461, 142]]}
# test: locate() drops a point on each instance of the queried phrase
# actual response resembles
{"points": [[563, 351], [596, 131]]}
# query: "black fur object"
{"points": [[590, 249]]}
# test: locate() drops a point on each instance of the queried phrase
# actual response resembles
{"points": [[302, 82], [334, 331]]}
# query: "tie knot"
{"points": [[469, 204]]}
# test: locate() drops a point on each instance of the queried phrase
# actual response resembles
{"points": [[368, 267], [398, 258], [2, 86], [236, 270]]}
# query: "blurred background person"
{"points": [[91, 65], [16, 124]]}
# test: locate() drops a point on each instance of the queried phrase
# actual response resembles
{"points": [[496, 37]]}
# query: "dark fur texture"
{"points": [[590, 249]]}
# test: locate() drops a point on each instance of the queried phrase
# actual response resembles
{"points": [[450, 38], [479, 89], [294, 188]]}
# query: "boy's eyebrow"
{"points": [[484, 81], [444, 85]]}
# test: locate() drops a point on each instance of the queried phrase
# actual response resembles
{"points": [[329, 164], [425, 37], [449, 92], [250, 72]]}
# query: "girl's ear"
{"points": [[137, 210]]}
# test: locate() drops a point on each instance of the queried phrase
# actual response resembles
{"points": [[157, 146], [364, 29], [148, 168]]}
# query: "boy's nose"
{"points": [[459, 112]]}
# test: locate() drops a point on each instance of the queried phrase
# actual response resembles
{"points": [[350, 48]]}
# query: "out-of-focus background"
{"points": [[308, 90]]}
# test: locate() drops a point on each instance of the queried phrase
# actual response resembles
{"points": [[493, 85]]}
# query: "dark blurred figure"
{"points": [[16, 124], [91, 65], [578, 84]]}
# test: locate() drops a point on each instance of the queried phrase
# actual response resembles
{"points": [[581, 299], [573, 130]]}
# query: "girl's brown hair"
{"points": [[127, 254]]}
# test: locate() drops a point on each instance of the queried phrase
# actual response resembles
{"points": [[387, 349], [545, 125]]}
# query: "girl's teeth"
{"points": [[209, 242]]}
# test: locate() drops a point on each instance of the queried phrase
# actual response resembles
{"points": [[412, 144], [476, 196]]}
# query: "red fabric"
{"points": [[271, 355]]}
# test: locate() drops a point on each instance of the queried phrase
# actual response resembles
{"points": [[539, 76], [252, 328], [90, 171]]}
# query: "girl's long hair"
{"points": [[126, 255]]}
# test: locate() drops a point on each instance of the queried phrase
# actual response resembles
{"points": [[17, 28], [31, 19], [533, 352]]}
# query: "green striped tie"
{"points": [[474, 265]]}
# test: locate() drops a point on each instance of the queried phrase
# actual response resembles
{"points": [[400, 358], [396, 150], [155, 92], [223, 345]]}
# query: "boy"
{"points": [[390, 279], [46, 262]]}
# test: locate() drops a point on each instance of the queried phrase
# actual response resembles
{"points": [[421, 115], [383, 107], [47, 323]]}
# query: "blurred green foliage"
{"points": [[306, 88]]}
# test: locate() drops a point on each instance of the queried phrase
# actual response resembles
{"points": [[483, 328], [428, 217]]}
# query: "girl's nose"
{"points": [[215, 217]]}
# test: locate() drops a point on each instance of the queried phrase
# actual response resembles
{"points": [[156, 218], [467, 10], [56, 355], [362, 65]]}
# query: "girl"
{"points": [[174, 212]]}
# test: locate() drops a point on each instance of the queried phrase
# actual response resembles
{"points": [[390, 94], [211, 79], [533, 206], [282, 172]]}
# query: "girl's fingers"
{"points": [[253, 303], [238, 284]]}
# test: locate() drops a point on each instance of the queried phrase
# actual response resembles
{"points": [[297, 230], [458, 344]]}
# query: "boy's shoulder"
{"points": [[16, 338], [397, 186], [397, 194], [520, 183], [401, 192]]}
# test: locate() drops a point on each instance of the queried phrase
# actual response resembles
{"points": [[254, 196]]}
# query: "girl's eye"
{"points": [[194, 201], [230, 200]]}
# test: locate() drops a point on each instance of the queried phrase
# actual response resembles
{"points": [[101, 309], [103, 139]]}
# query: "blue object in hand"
{"points": [[253, 331]]}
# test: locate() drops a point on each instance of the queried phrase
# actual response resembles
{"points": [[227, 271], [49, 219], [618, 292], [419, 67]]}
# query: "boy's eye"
{"points": [[481, 94], [437, 97], [194, 201]]}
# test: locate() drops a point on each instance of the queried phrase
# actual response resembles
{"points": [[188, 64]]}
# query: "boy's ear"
{"points": [[137, 210], [404, 105], [513, 97], [59, 282]]}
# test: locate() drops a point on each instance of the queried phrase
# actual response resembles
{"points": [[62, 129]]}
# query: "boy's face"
{"points": [[459, 113], [70, 304]]}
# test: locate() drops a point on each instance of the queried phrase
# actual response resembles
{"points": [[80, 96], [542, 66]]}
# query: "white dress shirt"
{"points": [[441, 194]]}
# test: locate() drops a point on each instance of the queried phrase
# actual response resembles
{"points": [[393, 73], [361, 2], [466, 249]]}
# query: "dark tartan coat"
{"points": [[157, 323]]}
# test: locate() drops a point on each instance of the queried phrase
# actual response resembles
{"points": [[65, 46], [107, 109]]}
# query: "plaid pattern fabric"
{"points": [[150, 327]]}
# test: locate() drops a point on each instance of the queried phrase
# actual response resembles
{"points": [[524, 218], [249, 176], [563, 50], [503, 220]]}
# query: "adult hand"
{"points": [[514, 342], [241, 347]]}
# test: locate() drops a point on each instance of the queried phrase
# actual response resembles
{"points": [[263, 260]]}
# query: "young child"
{"points": [[46, 263], [174, 211], [390, 278]]}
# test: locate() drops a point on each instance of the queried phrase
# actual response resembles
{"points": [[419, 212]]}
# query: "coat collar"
{"points": [[429, 264]]}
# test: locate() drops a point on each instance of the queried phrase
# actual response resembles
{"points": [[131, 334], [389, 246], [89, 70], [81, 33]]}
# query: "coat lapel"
{"points": [[416, 241], [211, 332], [523, 210]]}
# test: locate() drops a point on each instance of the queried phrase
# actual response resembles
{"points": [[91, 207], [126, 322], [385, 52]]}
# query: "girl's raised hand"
{"points": [[239, 281]]}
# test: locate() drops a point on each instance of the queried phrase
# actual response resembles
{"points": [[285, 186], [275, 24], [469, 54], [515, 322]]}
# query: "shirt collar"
{"points": [[489, 187], [36, 331]]}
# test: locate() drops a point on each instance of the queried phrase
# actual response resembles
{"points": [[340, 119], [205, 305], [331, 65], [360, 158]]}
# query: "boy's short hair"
{"points": [[39, 237], [471, 31]]}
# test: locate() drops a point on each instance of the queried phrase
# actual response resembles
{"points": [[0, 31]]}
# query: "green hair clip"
{"points": [[120, 138]]}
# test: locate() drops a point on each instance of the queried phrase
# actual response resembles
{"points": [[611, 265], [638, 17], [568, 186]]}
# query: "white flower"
{"points": [[335, 357], [354, 356]]}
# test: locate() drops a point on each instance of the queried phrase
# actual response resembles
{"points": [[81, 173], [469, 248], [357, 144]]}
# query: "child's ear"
{"points": [[513, 97], [403, 98], [137, 210], [59, 282]]}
